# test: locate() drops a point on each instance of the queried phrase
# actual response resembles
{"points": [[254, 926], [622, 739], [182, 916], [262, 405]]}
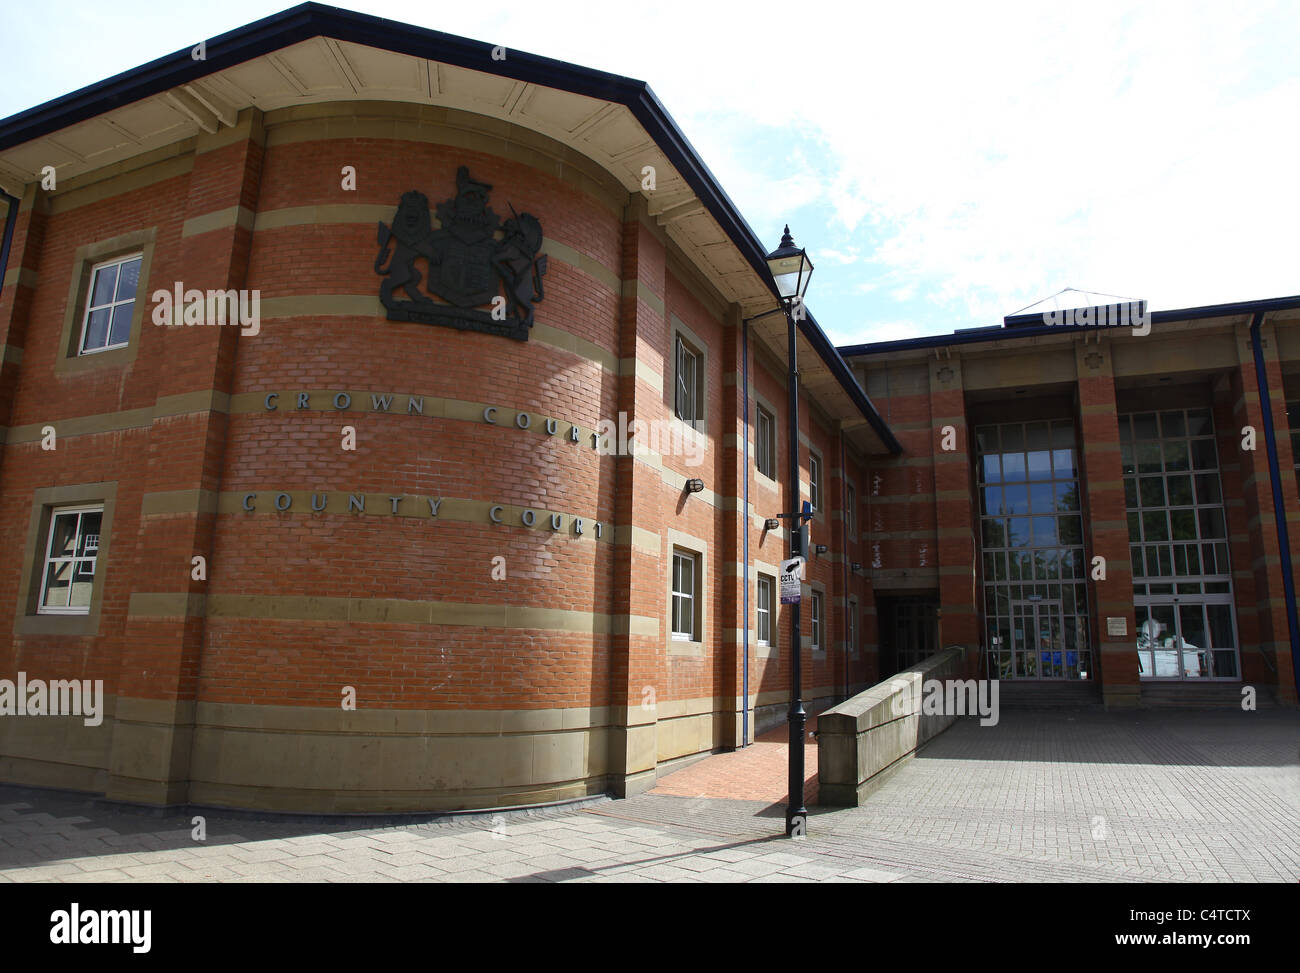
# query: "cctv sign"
{"points": [[791, 580]]}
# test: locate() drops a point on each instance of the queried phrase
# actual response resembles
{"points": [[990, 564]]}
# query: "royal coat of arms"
{"points": [[471, 260]]}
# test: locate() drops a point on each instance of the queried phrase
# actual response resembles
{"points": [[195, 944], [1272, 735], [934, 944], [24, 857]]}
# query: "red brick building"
{"points": [[363, 546], [355, 554], [1098, 502]]}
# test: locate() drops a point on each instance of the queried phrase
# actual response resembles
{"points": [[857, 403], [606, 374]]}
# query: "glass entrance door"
{"points": [[915, 631], [1038, 641], [1178, 543], [1032, 550], [1186, 638]]}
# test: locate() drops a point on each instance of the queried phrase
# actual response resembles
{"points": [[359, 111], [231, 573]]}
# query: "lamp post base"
{"points": [[796, 815], [796, 824]]}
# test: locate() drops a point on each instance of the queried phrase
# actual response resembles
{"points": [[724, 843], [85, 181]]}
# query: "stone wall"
{"points": [[864, 739]]}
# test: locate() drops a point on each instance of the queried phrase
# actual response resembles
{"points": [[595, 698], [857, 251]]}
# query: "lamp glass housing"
{"points": [[791, 269]]}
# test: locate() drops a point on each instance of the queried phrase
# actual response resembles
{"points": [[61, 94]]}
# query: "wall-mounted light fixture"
{"points": [[856, 566], [771, 523], [820, 548], [694, 486]]}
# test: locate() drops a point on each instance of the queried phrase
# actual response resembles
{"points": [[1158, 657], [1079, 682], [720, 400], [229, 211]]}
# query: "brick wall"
{"points": [[298, 604]]}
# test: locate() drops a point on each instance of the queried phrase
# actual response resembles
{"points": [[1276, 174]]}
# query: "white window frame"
{"points": [[46, 559], [688, 366], [818, 616], [1171, 590], [689, 596], [764, 614], [111, 306], [765, 442], [814, 479]]}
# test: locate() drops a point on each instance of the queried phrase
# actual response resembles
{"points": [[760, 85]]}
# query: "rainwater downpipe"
{"points": [[744, 532], [844, 553], [1279, 511], [11, 218], [744, 354]]}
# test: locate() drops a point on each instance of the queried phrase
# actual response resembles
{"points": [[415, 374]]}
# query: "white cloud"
{"points": [[970, 158], [878, 331], [838, 257]]}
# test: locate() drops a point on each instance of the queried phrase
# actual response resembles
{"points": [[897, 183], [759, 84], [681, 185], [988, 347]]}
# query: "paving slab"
{"points": [[1046, 796]]}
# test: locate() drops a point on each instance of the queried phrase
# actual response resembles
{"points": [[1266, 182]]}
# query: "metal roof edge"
{"points": [[977, 336], [308, 20], [840, 368]]}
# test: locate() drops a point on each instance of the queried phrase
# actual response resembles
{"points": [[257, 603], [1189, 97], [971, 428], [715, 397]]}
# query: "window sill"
{"points": [[99, 351], [100, 358], [680, 647], [55, 624], [695, 425]]}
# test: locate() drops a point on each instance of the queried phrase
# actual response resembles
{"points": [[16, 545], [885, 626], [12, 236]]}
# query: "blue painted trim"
{"points": [[11, 220], [1279, 510]]}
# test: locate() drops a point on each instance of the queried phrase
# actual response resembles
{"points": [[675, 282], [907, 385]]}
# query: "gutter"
{"points": [[1279, 510], [310, 20], [1037, 331], [840, 369], [844, 551]]}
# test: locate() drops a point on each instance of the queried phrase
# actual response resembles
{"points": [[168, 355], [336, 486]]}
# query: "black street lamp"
{"points": [[791, 270]]}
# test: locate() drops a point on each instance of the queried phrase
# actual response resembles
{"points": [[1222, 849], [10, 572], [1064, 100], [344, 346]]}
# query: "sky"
{"points": [[944, 165]]}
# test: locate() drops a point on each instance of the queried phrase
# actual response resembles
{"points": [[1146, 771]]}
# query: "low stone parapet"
{"points": [[864, 739]]}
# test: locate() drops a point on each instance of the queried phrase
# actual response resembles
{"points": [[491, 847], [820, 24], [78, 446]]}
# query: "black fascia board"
{"points": [[1027, 330], [293, 26], [309, 20], [224, 51], [840, 368], [317, 20]]}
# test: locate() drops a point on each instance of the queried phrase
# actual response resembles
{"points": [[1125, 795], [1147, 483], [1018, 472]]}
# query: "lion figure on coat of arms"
{"points": [[409, 235]]}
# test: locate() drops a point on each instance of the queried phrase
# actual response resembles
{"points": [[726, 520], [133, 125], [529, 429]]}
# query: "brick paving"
{"points": [[756, 773], [1043, 796], [1064, 796]]}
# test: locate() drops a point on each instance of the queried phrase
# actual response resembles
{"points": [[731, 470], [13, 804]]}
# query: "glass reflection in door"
{"points": [[1045, 646]]}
